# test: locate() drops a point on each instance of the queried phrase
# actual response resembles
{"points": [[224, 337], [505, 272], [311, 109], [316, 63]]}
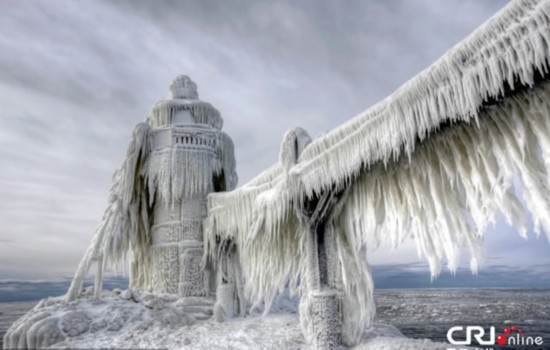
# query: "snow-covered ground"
{"points": [[142, 321]]}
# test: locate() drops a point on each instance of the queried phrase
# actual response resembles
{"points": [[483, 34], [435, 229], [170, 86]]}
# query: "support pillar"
{"points": [[327, 319], [319, 215], [229, 299]]}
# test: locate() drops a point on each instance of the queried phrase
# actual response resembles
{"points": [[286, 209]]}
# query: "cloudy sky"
{"points": [[75, 77]]}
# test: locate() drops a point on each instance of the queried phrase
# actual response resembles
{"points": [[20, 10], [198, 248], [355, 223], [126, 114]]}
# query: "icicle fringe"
{"points": [[202, 112], [504, 51], [178, 173]]}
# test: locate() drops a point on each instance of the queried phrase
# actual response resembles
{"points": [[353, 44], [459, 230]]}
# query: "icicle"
{"points": [[225, 156]]}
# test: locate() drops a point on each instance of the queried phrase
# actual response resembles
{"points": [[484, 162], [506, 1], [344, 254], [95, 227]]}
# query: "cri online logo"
{"points": [[460, 335]]}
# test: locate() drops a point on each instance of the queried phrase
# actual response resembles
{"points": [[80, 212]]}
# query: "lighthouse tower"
{"points": [[158, 199], [190, 157]]}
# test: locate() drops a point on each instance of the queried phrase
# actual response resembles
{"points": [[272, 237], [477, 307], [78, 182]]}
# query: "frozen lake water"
{"points": [[429, 313]]}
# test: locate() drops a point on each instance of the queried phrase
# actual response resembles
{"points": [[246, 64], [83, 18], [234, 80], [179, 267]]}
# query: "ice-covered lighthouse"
{"points": [[158, 199], [190, 158]]}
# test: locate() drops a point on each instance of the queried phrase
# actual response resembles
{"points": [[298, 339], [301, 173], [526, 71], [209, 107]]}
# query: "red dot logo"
{"points": [[514, 328], [506, 330], [501, 339]]}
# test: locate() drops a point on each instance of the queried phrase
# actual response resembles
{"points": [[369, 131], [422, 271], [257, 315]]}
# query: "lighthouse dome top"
{"points": [[184, 96], [183, 87]]}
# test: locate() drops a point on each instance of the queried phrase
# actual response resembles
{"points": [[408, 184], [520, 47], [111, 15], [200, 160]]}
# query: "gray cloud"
{"points": [[75, 77]]}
